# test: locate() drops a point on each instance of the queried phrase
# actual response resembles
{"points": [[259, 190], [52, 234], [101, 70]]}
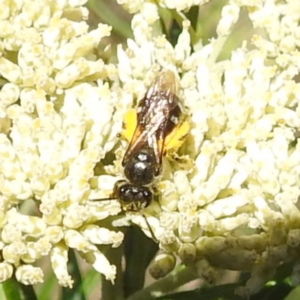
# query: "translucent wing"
{"points": [[157, 115]]}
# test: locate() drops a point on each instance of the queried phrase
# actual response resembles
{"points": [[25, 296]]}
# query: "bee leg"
{"points": [[150, 229], [155, 190]]}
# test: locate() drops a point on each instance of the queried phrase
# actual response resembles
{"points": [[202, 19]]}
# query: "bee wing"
{"points": [[157, 114]]}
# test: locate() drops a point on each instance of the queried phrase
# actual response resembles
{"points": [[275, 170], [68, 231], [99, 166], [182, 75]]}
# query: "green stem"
{"points": [[14, 290], [113, 291], [28, 292], [175, 279], [106, 15], [179, 17], [217, 48]]}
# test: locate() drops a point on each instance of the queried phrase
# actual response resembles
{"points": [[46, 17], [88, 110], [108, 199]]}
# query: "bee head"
{"points": [[133, 198]]}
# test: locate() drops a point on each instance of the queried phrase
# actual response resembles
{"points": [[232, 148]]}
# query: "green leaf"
{"points": [[139, 250], [278, 291], [13, 290], [294, 294], [76, 292], [219, 292], [49, 284], [110, 291]]}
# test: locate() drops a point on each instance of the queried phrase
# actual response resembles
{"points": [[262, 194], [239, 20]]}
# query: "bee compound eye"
{"points": [[126, 193], [147, 196]]}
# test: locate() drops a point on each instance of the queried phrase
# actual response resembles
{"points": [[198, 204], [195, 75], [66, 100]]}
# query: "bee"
{"points": [[157, 127]]}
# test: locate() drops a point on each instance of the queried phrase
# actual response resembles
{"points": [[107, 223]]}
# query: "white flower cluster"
{"points": [[237, 207], [233, 205], [56, 125]]}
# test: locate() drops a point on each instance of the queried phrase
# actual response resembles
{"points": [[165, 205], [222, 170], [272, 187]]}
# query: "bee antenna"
{"points": [[150, 229], [103, 199]]}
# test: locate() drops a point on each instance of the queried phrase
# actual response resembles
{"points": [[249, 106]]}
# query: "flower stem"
{"points": [[179, 17], [175, 279], [108, 16], [218, 48]]}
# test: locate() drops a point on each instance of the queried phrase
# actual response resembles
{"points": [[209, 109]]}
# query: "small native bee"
{"points": [[155, 128]]}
